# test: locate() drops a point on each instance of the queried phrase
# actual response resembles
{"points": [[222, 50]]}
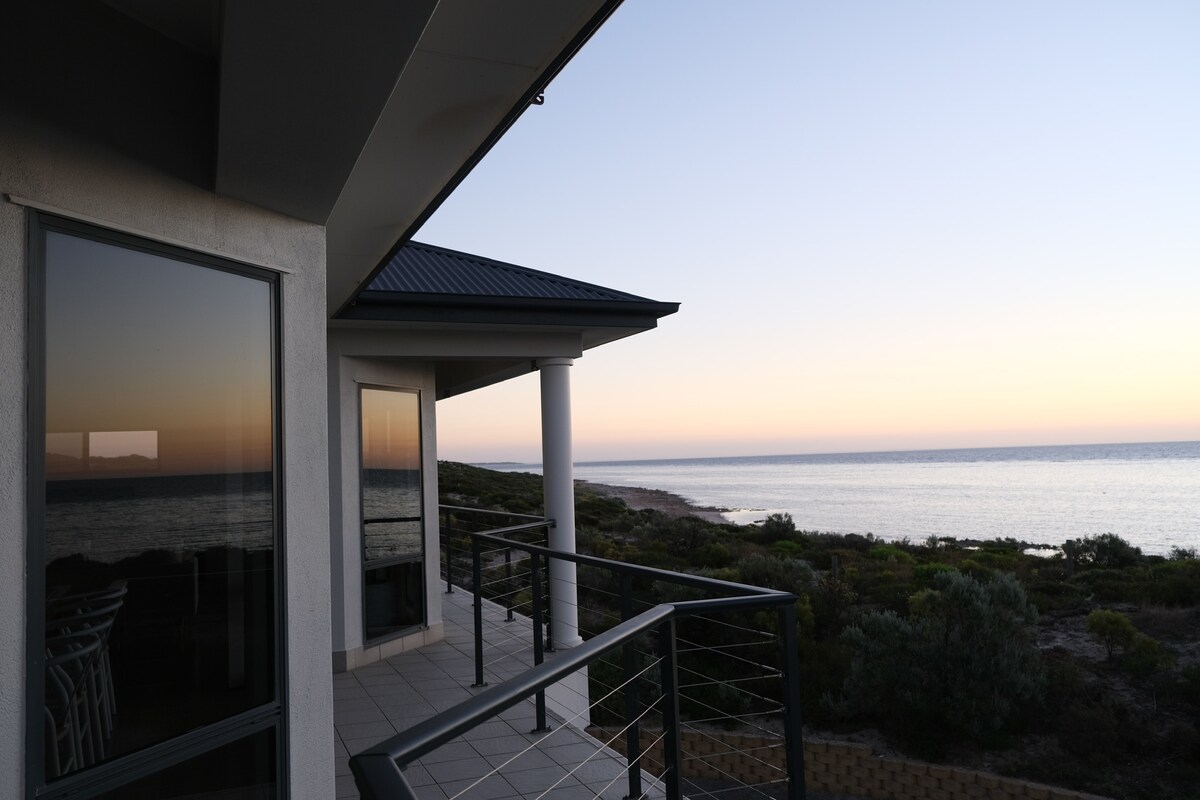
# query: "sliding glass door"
{"points": [[392, 518], [154, 633]]}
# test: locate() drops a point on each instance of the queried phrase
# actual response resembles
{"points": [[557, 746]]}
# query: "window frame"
{"points": [[362, 533], [145, 762]]}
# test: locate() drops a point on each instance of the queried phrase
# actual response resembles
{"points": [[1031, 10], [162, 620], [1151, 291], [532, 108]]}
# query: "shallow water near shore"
{"points": [[1149, 494]]}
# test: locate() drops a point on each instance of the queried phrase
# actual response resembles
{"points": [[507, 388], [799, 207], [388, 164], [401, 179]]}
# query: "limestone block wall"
{"points": [[836, 768]]}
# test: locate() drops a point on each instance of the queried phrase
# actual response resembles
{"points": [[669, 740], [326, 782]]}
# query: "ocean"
{"points": [[1148, 494]]}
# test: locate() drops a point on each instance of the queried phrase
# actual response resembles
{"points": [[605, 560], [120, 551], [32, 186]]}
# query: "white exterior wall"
{"points": [[346, 373], [403, 359], [94, 184]]}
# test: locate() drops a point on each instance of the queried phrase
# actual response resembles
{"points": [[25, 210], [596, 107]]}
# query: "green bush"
{"points": [[962, 664], [1055, 595], [1106, 585], [1111, 628], [1173, 583], [889, 552], [713, 555], [776, 527], [924, 575], [787, 547], [976, 570], [1107, 551], [1143, 656], [783, 574]]}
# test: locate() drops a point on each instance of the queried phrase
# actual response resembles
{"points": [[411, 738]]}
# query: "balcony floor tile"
{"points": [[410, 687]]}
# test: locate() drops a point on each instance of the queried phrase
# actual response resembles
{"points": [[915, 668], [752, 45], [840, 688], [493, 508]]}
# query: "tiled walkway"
{"points": [[372, 703]]}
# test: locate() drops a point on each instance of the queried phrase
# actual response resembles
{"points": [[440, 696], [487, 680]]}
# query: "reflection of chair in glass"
{"points": [[80, 695], [72, 710]]}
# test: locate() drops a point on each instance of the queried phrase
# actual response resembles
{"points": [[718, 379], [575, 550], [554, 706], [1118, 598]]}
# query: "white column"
{"points": [[559, 491]]}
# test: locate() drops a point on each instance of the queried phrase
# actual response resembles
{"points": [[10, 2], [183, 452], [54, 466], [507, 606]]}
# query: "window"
{"points": [[155, 517], [393, 529]]}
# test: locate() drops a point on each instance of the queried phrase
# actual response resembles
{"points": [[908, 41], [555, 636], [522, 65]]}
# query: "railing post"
{"points": [[447, 538], [477, 578], [792, 730], [672, 750], [548, 630], [633, 737], [508, 588], [535, 576]]}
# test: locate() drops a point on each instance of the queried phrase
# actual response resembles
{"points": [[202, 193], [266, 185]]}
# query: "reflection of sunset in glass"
{"points": [[390, 430], [114, 444], [142, 375], [157, 517]]}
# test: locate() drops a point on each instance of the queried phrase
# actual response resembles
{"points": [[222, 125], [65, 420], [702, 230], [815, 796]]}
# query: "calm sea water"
{"points": [[1149, 494], [110, 519]]}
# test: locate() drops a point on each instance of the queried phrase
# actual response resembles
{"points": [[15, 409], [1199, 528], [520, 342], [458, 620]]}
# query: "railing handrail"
{"points": [[699, 581], [379, 767], [444, 507]]}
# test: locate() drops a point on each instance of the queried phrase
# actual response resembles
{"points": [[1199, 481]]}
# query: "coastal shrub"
{"points": [[1106, 585], [963, 662], [776, 527], [1183, 554], [976, 570], [782, 574], [1050, 596], [1106, 551], [889, 552], [787, 547], [1004, 560], [713, 555], [592, 508], [824, 666], [1173, 583], [853, 541], [1144, 655], [886, 587], [1098, 729], [924, 575], [1111, 628], [832, 597]]}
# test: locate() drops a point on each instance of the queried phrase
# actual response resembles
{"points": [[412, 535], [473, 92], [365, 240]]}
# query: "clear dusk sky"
{"points": [[892, 224]]}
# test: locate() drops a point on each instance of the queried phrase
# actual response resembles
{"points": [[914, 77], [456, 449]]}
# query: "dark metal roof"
{"points": [[426, 269], [424, 283]]}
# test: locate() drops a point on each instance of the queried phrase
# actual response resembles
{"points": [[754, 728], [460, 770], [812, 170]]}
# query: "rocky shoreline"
{"points": [[670, 504]]}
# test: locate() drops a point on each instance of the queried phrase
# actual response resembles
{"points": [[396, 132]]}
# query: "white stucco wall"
{"points": [[346, 373], [401, 358], [91, 183]]}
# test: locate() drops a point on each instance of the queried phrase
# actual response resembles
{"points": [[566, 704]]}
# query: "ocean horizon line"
{"points": [[842, 454]]}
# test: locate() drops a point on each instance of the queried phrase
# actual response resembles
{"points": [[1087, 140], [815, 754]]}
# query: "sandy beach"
{"points": [[670, 504]]}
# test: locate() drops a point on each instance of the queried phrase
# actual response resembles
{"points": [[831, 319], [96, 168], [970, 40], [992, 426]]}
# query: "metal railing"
{"points": [[645, 639]]}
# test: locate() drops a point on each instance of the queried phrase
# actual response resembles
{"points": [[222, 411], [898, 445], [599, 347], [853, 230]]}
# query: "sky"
{"points": [[891, 225]]}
